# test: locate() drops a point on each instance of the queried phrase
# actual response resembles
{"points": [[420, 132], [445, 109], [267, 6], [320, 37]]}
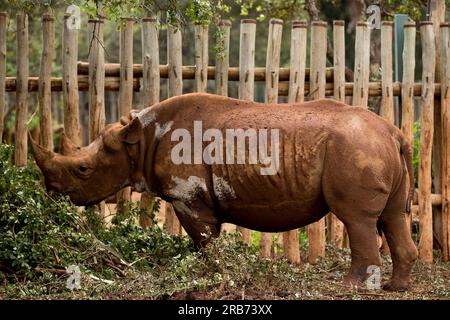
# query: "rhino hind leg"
{"points": [[198, 220], [359, 208], [402, 247], [364, 250]]}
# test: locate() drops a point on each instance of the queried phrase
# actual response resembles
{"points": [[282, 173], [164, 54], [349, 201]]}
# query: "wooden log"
{"points": [[299, 30], [45, 93], [126, 68], [247, 59], [339, 59], [70, 79], [247, 79], [271, 96], [336, 227], [437, 15], [22, 62], [110, 84], [113, 84], [201, 57], [387, 96], [362, 65], [96, 96], [96, 79], [407, 86], [273, 60], [150, 58], [188, 72], [435, 198], [318, 59], [407, 89], [125, 100], [445, 114], [223, 58], [150, 90], [3, 28], [174, 63], [298, 61], [426, 143], [316, 231]]}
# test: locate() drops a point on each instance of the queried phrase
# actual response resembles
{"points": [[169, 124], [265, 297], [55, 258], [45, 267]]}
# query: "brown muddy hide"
{"points": [[90, 174]]}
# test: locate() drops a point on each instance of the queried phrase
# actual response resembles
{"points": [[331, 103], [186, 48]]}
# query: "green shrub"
{"points": [[41, 231]]}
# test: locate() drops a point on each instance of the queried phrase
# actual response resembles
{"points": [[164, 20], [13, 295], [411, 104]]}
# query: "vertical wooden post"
{"points": [[339, 60], [247, 59], [150, 59], [336, 226], [299, 30], [70, 79], [437, 15], [126, 68], [445, 112], [201, 57], [271, 96], [21, 90], [150, 90], [273, 60], [247, 79], [3, 27], [387, 96], [316, 231], [125, 100], [45, 93], [409, 62], [426, 143], [174, 61], [96, 79], [96, 95], [298, 61], [362, 65], [222, 58]]}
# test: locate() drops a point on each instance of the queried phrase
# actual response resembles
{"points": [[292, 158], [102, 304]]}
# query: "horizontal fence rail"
{"points": [[112, 83]]}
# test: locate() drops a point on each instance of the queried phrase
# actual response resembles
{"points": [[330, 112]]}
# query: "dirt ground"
{"points": [[304, 282], [321, 281]]}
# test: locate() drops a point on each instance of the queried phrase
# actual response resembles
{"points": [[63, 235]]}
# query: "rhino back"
{"points": [[240, 191]]}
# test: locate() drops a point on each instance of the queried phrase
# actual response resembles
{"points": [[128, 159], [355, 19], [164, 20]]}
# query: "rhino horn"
{"points": [[67, 147], [41, 155]]}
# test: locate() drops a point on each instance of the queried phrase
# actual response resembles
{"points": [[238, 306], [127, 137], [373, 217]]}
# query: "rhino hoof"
{"points": [[396, 285]]}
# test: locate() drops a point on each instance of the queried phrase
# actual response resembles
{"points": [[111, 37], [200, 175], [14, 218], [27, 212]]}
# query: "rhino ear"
{"points": [[124, 120], [132, 132]]}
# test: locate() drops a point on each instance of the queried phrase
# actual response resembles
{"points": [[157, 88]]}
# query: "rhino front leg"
{"points": [[198, 220]]}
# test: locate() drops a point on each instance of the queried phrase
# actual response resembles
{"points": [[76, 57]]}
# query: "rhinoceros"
{"points": [[266, 167]]}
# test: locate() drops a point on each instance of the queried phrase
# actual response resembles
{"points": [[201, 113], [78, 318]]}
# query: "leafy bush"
{"points": [[47, 232]]}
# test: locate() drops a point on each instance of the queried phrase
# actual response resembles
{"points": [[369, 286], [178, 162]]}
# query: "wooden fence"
{"points": [[297, 82]]}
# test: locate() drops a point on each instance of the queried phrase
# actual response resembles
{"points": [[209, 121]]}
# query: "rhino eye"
{"points": [[83, 168]]}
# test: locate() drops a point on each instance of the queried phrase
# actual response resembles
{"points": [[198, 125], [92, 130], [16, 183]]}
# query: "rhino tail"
{"points": [[407, 151]]}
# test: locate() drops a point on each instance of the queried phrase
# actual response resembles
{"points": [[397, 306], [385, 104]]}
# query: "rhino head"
{"points": [[90, 174]]}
